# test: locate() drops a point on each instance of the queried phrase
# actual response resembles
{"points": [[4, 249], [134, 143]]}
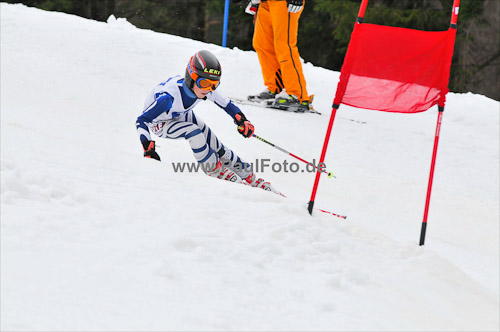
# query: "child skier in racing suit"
{"points": [[168, 113]]}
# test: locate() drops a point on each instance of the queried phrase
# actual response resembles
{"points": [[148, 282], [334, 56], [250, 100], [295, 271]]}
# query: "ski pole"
{"points": [[334, 214], [330, 174]]}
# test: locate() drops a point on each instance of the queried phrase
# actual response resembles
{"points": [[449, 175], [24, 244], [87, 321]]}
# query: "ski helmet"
{"points": [[204, 70]]}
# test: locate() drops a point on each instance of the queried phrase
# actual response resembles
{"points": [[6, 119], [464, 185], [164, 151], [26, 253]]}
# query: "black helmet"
{"points": [[202, 65]]}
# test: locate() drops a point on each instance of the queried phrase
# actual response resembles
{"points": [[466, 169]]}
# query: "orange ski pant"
{"points": [[275, 41]]}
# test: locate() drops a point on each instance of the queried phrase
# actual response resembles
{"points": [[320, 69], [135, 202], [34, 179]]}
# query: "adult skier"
{"points": [[275, 41], [168, 113]]}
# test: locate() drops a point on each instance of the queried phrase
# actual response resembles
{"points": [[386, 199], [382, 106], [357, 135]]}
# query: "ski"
{"points": [[333, 214], [268, 188], [264, 185], [277, 192], [321, 210], [272, 105]]}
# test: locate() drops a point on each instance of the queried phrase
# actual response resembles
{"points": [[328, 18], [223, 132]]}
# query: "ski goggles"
{"points": [[207, 84]]}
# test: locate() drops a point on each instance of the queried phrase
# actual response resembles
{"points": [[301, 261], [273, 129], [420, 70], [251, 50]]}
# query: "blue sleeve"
{"points": [[223, 102], [231, 109], [162, 104]]}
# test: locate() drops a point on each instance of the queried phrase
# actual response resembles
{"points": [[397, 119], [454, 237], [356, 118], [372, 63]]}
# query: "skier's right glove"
{"points": [[245, 127], [149, 150]]}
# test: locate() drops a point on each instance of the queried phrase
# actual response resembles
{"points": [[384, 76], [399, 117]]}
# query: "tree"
{"points": [[325, 28]]}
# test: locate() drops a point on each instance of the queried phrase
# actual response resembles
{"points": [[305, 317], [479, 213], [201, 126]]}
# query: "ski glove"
{"points": [[245, 127], [252, 7], [294, 6], [149, 150]]}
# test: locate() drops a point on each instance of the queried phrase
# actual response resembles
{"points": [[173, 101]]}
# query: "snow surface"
{"points": [[96, 237]]}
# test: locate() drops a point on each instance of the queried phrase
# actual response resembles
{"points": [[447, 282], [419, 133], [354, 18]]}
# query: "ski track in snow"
{"points": [[96, 237]]}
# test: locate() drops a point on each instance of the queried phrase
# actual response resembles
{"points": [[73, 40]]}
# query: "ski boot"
{"points": [[291, 103], [222, 173], [264, 95], [253, 181]]}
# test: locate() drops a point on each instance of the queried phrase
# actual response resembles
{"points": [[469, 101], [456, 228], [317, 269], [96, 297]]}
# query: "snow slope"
{"points": [[95, 237]]}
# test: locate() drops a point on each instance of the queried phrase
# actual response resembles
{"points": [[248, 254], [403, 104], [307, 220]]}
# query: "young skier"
{"points": [[168, 113]]}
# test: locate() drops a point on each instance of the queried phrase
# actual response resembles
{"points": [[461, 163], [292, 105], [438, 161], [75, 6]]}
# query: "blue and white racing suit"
{"points": [[168, 113]]}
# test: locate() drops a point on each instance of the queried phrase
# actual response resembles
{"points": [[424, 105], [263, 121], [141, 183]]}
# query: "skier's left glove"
{"points": [[149, 150], [252, 7], [294, 6], [245, 127]]}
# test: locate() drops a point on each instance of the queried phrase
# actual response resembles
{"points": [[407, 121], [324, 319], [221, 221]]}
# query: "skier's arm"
{"points": [[162, 104], [245, 127], [223, 102]]}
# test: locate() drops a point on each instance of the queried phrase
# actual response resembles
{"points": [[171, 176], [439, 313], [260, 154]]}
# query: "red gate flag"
{"points": [[395, 69]]}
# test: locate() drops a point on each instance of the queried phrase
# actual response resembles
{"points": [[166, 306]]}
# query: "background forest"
{"points": [[324, 30]]}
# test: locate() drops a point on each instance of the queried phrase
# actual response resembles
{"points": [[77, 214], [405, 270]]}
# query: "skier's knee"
{"points": [[193, 133]]}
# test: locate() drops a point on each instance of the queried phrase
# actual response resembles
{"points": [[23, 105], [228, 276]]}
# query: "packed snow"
{"points": [[94, 237]]}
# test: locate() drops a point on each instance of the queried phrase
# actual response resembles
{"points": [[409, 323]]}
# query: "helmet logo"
{"points": [[212, 71], [190, 66]]}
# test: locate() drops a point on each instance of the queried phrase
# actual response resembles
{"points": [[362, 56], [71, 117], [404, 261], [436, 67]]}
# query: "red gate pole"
{"points": [[454, 13], [362, 8], [335, 107], [453, 25], [322, 158], [431, 175]]}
